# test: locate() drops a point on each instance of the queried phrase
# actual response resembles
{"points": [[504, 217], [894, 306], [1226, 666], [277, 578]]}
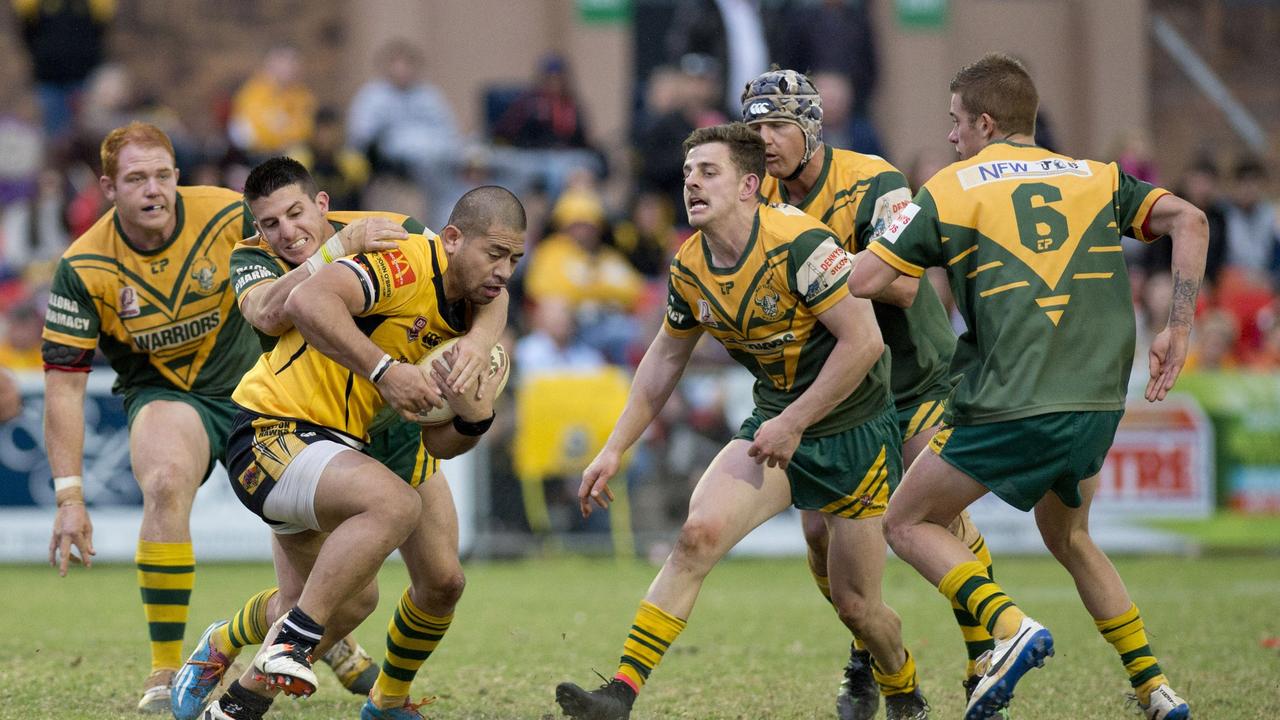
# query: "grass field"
{"points": [[761, 643]]}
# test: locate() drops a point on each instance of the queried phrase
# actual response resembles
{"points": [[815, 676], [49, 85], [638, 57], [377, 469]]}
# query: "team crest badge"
{"points": [[205, 272], [419, 324], [768, 303], [127, 306], [704, 313]]}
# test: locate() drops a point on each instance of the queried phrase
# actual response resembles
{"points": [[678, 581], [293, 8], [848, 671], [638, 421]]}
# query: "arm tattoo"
{"points": [[1183, 309]]}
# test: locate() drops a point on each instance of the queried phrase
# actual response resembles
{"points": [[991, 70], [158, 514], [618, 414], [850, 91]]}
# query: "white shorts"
{"points": [[292, 502]]}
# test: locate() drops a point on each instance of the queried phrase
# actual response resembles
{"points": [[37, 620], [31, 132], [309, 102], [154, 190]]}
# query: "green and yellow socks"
{"points": [[166, 575], [970, 588], [977, 639], [1128, 636], [652, 633], [412, 635], [248, 626]]}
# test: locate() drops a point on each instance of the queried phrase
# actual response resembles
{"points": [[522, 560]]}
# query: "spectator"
{"points": [[548, 115], [731, 32], [10, 396], [1251, 222], [1213, 341], [835, 36], [66, 41], [401, 119], [648, 238], [596, 281], [553, 344], [20, 349], [1131, 150], [841, 128], [34, 229], [111, 100], [274, 110], [342, 172], [689, 103]]}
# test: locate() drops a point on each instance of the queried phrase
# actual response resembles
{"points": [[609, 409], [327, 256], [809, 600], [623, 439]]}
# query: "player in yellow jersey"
{"points": [[291, 215], [359, 324], [148, 284], [856, 196], [770, 285], [1031, 243], [261, 278]]}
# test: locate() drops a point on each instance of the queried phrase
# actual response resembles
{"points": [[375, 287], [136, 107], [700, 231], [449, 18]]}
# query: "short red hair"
{"points": [[137, 133]]}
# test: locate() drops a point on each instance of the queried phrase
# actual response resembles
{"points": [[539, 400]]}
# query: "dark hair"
{"points": [[276, 173], [746, 147], [1249, 167], [485, 207], [999, 86]]}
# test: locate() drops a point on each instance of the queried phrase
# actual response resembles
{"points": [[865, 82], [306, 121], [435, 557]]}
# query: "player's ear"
{"points": [[108, 187], [986, 126], [750, 186], [451, 238], [322, 201]]}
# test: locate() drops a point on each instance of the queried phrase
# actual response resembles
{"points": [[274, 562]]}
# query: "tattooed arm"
{"points": [[1189, 230]]}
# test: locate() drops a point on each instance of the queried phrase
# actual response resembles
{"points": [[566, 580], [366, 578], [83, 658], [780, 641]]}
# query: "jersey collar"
{"points": [[746, 250], [179, 214], [817, 186]]}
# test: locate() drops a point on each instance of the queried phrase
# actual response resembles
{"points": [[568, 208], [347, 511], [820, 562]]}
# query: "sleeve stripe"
{"points": [[69, 340], [1143, 217], [897, 263], [366, 283]]}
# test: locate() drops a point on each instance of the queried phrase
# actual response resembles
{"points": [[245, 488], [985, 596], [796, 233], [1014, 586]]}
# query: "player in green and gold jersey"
{"points": [[307, 408], [770, 285], [1031, 243], [148, 284], [856, 196]]}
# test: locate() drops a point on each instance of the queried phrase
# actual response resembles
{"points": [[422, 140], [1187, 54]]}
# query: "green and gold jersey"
{"points": [[405, 313], [253, 262], [165, 317], [857, 196], [1031, 243], [764, 310]]}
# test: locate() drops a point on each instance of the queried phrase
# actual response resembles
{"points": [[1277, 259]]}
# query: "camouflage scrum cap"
{"points": [[785, 96]]}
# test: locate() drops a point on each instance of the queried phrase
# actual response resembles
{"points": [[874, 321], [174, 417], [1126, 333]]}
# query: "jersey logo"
{"points": [[127, 306], [768, 304], [203, 271], [704, 314], [401, 271], [1000, 170], [158, 266], [725, 287], [900, 223], [419, 324]]}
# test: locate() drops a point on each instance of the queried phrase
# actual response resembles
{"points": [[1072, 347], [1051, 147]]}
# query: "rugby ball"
{"points": [[498, 363]]}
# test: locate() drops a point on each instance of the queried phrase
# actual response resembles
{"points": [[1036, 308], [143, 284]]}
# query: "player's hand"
{"points": [[71, 528], [474, 402], [371, 234], [775, 442], [595, 481], [409, 390], [1168, 354], [466, 358]]}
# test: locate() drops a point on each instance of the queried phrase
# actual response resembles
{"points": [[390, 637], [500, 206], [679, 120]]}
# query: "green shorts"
{"points": [[216, 414], [1022, 460], [399, 447], [847, 474], [920, 416]]}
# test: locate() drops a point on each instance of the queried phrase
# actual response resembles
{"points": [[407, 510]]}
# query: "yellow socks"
{"points": [[897, 683], [968, 585], [166, 574], [247, 627], [412, 635], [1128, 636], [652, 632]]}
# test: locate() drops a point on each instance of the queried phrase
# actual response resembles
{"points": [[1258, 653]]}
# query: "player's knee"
{"points": [[167, 488], [896, 529], [698, 539], [399, 508], [446, 590], [1067, 545], [853, 609]]}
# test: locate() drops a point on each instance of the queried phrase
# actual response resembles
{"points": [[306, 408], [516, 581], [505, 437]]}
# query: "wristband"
{"points": [[472, 429], [66, 482], [381, 368], [331, 250]]}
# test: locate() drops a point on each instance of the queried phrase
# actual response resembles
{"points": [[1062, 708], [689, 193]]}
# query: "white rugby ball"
{"points": [[498, 363]]}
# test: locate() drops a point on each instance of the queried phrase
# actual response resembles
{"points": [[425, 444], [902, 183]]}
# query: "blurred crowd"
{"points": [[603, 224]]}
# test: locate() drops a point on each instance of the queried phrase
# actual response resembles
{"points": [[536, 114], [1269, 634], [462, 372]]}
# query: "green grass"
{"points": [[1228, 532], [760, 644]]}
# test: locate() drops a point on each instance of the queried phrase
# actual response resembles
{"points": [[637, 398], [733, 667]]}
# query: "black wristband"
{"points": [[472, 429]]}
